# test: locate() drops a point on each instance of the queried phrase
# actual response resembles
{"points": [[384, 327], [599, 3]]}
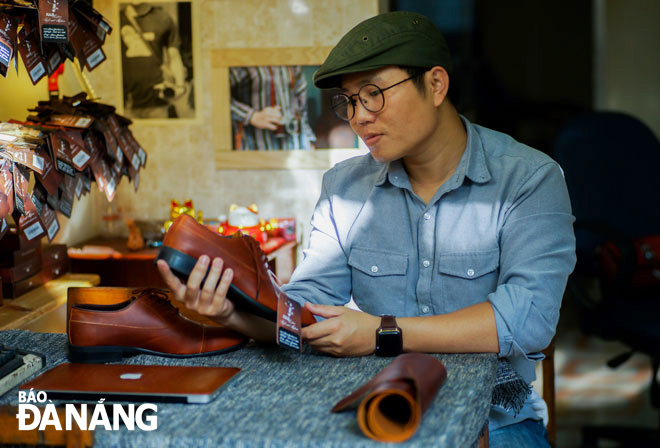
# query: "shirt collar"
{"points": [[477, 169], [395, 173], [472, 164]]}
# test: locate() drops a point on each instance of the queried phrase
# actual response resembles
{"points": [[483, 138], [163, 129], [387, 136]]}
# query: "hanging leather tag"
{"points": [[50, 178], [30, 52], [288, 323], [8, 30], [53, 20], [61, 153], [87, 44], [6, 188], [29, 224], [49, 218]]}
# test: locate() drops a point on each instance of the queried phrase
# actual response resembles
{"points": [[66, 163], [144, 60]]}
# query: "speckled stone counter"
{"points": [[283, 399]]}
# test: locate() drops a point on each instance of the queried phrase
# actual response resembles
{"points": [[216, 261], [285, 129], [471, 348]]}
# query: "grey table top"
{"points": [[282, 398]]}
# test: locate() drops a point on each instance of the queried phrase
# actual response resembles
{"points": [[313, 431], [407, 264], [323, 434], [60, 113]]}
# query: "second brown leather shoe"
{"points": [[147, 323], [254, 289]]}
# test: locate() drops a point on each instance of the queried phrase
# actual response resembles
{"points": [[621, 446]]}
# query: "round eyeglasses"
{"points": [[371, 96]]}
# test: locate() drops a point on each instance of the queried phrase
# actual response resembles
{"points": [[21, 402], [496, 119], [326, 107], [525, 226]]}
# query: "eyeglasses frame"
{"points": [[353, 102]]}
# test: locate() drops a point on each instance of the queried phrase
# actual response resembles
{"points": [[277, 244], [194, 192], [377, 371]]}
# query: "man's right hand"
{"points": [[209, 299], [267, 118]]}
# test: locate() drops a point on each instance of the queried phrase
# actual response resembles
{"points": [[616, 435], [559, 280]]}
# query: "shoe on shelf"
{"points": [[254, 289], [146, 323]]}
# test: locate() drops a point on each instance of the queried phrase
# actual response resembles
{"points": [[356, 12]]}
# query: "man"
{"points": [[269, 108], [153, 69], [461, 232]]}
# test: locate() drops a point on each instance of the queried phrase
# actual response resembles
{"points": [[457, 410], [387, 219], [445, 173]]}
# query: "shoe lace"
{"points": [[159, 293], [259, 256]]}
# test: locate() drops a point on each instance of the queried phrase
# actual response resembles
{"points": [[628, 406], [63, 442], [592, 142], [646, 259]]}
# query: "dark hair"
{"points": [[418, 80]]}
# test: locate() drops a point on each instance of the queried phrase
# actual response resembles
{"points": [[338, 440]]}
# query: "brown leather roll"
{"points": [[393, 402]]}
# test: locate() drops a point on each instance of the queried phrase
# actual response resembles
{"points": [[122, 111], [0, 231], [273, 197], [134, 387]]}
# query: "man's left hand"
{"points": [[344, 332]]}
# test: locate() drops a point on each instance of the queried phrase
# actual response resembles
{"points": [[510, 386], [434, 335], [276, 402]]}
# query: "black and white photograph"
{"points": [[157, 59]]}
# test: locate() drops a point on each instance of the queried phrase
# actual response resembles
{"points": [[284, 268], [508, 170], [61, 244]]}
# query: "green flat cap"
{"points": [[394, 38]]}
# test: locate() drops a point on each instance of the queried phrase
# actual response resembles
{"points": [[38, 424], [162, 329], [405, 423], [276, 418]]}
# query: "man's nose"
{"points": [[362, 115]]}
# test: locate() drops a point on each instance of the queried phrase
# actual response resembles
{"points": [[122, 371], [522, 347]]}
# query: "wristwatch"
{"points": [[389, 337]]}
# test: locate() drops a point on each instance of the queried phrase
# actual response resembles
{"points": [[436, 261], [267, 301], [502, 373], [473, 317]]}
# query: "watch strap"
{"points": [[388, 321]]}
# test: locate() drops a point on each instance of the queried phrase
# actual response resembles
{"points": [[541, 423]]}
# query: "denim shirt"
{"points": [[499, 230]]}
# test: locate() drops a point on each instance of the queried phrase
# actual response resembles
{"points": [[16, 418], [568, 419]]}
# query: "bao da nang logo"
{"points": [[31, 417]]}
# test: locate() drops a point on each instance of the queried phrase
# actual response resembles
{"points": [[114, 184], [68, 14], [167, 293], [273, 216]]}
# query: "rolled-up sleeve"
{"points": [[240, 111], [537, 254], [323, 277]]}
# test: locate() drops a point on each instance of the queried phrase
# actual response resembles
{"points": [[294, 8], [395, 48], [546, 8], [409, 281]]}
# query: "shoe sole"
{"points": [[182, 264], [108, 353]]}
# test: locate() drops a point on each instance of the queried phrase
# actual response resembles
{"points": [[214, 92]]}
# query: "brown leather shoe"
{"points": [[113, 295], [255, 287], [146, 323]]}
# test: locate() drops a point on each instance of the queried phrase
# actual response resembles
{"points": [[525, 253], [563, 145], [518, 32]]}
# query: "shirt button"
{"points": [[427, 216], [470, 272], [426, 263], [425, 309], [374, 269]]}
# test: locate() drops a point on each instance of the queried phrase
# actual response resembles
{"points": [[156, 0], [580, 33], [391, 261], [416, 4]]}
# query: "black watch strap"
{"points": [[388, 321], [389, 338]]}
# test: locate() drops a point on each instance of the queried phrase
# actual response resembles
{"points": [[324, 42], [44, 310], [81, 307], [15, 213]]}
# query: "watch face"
{"points": [[389, 343]]}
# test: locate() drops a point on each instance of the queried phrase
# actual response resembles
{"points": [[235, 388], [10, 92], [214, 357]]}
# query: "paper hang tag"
{"points": [[71, 121], [97, 170], [49, 220], [288, 323], [68, 51], [3, 227], [131, 172], [54, 57], [79, 185], [80, 151], [8, 32], [29, 225], [6, 188], [117, 168], [87, 180], [21, 182], [111, 146], [94, 18], [6, 53], [53, 200], [65, 203], [62, 154], [38, 203], [26, 157], [30, 51], [53, 20], [87, 44], [105, 177], [40, 192], [141, 160], [50, 178], [124, 143]]}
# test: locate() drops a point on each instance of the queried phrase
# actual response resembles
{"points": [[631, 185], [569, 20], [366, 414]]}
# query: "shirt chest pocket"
{"points": [[378, 279], [467, 278]]}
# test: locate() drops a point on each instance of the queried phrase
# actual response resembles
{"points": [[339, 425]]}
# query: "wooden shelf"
{"points": [[21, 311]]}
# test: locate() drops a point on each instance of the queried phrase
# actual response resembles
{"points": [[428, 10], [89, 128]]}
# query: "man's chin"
{"points": [[381, 157]]}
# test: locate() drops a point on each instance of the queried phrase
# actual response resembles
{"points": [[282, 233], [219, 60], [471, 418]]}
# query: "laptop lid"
{"points": [[122, 382]]}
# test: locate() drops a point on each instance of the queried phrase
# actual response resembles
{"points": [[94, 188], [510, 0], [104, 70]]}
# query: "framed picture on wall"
{"points": [[158, 67], [304, 131], [277, 108]]}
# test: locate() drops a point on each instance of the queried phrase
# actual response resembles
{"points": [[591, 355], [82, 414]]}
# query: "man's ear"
{"points": [[439, 84]]}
